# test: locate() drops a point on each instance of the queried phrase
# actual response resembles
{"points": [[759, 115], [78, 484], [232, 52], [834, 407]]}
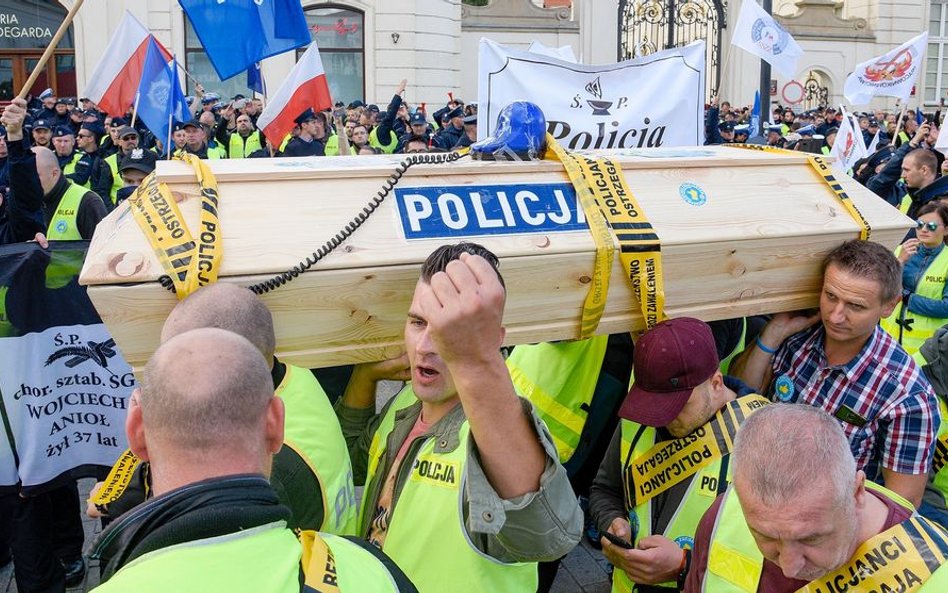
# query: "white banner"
{"points": [[890, 75], [65, 391], [647, 102]]}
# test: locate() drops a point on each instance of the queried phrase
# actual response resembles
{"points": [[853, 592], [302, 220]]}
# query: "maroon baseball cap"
{"points": [[670, 360]]}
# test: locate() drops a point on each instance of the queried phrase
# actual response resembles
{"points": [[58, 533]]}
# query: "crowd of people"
{"points": [[765, 454]]}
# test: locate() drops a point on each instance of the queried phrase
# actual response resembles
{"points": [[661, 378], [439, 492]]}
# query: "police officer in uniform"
{"points": [[64, 144], [207, 420], [305, 144], [449, 135], [127, 142], [679, 400], [91, 171], [42, 133], [417, 128]]}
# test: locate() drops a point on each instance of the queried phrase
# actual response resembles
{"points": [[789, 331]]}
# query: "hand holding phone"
{"points": [[618, 541]]}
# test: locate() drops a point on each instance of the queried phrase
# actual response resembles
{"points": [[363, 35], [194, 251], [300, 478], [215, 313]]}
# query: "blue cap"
{"points": [[209, 98], [308, 115], [417, 118], [41, 124], [61, 131], [47, 94], [807, 130]]}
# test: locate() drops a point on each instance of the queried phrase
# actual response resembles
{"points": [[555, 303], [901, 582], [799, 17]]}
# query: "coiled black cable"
{"points": [[337, 239]]}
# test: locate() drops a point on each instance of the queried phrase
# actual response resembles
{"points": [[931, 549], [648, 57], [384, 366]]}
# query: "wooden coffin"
{"points": [[753, 245]]}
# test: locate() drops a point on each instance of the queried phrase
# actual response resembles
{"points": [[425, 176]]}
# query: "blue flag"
{"points": [[919, 117], [755, 117], [238, 33], [255, 79], [160, 98]]}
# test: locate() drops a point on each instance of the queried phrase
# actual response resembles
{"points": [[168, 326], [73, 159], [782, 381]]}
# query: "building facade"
{"points": [[368, 46]]}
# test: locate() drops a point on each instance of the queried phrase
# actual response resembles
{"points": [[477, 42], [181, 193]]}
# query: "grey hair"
{"points": [[780, 450]]}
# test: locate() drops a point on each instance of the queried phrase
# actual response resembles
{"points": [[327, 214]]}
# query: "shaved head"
{"points": [[206, 390], [47, 168], [228, 307]]}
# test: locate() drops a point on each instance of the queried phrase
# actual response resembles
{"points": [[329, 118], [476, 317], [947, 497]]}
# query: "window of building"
{"points": [[936, 76], [340, 34], [26, 28], [195, 60]]}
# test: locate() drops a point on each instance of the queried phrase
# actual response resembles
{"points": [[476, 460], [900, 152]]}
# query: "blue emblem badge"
{"points": [[685, 543], [769, 36], [61, 226], [634, 524], [693, 194], [784, 388]]}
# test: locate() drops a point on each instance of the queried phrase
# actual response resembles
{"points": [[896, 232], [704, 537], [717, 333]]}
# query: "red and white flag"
{"points": [[891, 75], [847, 149], [114, 82], [305, 87]]}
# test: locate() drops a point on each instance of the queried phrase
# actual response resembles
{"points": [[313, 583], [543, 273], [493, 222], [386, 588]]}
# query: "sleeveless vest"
{"points": [[63, 227]]}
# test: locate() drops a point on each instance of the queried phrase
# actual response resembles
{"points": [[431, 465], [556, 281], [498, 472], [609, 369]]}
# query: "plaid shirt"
{"points": [[882, 384]]}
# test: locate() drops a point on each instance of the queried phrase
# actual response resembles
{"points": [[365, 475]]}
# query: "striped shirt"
{"points": [[881, 385]]}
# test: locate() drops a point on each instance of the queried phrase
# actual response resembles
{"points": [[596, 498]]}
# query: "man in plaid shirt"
{"points": [[848, 366]]}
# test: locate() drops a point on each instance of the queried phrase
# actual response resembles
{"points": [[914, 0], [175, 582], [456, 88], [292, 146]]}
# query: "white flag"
{"points": [[874, 144], [846, 149], [758, 32], [891, 75], [653, 101], [862, 151], [941, 144]]}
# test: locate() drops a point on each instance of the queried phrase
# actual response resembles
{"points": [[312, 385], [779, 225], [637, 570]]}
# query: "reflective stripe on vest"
{"points": [[313, 431], [386, 148], [703, 488], [117, 183], [735, 563], [940, 459], [931, 285], [426, 535], [63, 226], [560, 380], [240, 148]]}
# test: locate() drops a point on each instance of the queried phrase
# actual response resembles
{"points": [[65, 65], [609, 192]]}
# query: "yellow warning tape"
{"points": [[604, 193], [595, 303], [190, 264], [118, 479], [822, 169]]}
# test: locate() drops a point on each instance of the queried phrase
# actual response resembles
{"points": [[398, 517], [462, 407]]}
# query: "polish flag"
{"points": [[113, 84], [305, 87]]}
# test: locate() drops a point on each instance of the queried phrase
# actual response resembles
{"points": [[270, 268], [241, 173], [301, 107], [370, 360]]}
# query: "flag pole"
{"points": [[765, 109], [41, 65], [138, 96], [186, 73], [898, 124]]}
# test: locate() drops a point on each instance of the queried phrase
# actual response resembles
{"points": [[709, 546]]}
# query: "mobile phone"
{"points": [[615, 539]]}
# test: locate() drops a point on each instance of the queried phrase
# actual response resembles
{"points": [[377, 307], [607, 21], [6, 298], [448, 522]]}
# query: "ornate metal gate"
{"points": [[646, 26]]}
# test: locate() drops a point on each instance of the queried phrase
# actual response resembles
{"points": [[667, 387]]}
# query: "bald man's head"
{"points": [[47, 168], [204, 391], [228, 307]]}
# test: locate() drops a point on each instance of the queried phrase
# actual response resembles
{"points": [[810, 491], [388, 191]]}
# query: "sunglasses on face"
{"points": [[932, 226], [83, 135], [130, 138]]}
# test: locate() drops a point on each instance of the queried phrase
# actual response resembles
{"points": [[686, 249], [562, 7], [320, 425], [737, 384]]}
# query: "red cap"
{"points": [[670, 360]]}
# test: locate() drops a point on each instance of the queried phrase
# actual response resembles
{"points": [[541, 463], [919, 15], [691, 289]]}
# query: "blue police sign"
{"points": [[472, 210]]}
